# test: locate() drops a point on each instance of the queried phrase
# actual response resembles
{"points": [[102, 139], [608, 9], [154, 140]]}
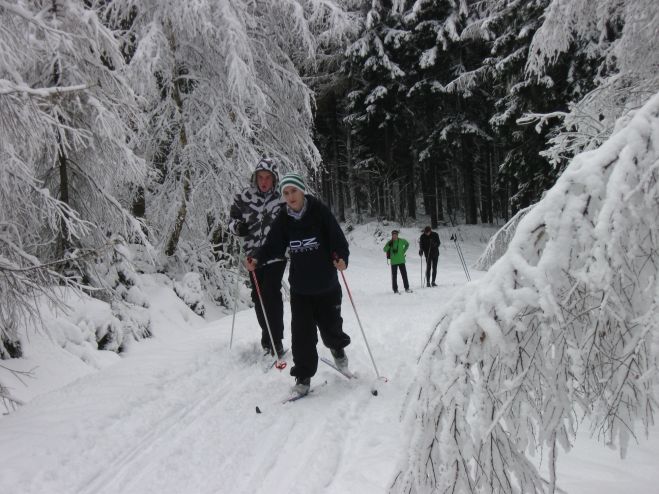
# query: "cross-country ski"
{"points": [[345, 372]]}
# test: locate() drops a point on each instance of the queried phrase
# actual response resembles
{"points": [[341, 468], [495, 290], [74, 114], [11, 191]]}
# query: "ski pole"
{"points": [[345, 283], [422, 284], [464, 262], [279, 364], [235, 294], [454, 237]]}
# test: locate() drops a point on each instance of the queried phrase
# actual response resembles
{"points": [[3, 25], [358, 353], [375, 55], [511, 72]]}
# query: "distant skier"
{"points": [[396, 248], [313, 236], [429, 246], [252, 214]]}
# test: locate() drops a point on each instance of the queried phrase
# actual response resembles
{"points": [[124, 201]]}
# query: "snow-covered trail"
{"points": [[178, 414]]}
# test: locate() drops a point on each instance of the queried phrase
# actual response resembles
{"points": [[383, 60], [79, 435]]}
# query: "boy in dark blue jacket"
{"points": [[317, 249]]}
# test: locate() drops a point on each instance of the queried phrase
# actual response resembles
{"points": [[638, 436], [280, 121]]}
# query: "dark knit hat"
{"points": [[394, 231], [294, 179]]}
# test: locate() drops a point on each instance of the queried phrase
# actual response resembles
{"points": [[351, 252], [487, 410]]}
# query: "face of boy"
{"points": [[294, 198], [264, 180]]}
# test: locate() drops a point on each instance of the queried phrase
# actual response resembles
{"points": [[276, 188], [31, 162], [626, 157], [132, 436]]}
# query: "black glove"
{"points": [[420, 252], [242, 229]]}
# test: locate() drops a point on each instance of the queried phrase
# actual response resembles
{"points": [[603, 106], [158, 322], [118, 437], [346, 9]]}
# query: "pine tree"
{"points": [[449, 105], [619, 39], [377, 113]]}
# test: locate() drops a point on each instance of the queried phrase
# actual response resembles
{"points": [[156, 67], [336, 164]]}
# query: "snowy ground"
{"points": [[177, 414]]}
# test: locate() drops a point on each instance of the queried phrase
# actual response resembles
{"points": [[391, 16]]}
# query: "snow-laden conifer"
{"points": [[560, 327], [66, 125], [620, 37]]}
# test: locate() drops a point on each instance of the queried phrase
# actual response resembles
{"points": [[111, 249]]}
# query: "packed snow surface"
{"points": [[177, 413]]}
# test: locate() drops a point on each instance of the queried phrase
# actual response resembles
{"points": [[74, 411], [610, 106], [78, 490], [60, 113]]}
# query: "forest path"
{"points": [[178, 414]]}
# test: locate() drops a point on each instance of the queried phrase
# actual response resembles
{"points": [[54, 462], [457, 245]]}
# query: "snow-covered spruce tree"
{"points": [[562, 325], [509, 27], [376, 111], [219, 85], [336, 181], [450, 112], [65, 126], [623, 37]]}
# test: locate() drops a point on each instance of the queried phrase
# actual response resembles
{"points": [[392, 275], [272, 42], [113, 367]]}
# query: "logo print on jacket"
{"points": [[304, 245]]}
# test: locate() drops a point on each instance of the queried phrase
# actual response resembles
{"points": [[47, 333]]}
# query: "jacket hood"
{"points": [[268, 165]]}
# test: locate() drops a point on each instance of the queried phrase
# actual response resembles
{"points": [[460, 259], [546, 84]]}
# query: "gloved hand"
{"points": [[242, 229], [420, 252]]}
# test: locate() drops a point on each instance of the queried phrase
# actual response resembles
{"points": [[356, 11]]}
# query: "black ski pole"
{"points": [[454, 237], [235, 295], [279, 363], [462, 259]]}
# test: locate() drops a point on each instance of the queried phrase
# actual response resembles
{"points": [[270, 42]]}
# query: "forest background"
{"points": [[126, 126]]}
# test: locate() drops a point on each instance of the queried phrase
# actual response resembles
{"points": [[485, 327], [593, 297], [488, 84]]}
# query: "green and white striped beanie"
{"points": [[294, 179]]}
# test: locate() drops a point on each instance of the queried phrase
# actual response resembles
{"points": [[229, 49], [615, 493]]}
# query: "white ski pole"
{"points": [[345, 283]]}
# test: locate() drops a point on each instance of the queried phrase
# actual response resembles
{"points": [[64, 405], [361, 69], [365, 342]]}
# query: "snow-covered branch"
{"points": [[8, 87], [562, 324]]}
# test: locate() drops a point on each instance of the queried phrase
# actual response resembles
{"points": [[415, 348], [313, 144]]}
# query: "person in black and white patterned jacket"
{"points": [[251, 216]]}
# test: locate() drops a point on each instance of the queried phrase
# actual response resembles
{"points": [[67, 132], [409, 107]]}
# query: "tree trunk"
{"points": [[440, 194], [172, 242], [62, 161], [352, 186], [64, 233], [486, 191], [139, 203], [411, 188], [337, 179], [471, 202]]}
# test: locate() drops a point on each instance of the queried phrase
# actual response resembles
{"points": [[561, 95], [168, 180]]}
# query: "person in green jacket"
{"points": [[395, 249]]}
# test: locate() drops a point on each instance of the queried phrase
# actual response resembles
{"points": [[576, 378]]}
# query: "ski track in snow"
{"points": [[178, 414]]}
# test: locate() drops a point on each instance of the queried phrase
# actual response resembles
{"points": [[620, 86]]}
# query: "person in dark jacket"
{"points": [[252, 214], [429, 246], [395, 250], [317, 249]]}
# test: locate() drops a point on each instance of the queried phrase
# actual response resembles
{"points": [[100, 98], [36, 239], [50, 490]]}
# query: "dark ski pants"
{"points": [[310, 314], [269, 278], [431, 263], [394, 276]]}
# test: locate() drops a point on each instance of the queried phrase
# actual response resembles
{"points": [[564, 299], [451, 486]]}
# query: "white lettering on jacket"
{"points": [[304, 245]]}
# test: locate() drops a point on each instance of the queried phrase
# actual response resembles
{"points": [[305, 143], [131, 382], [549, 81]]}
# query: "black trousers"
{"points": [[310, 314], [431, 263], [269, 278], [394, 276]]}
